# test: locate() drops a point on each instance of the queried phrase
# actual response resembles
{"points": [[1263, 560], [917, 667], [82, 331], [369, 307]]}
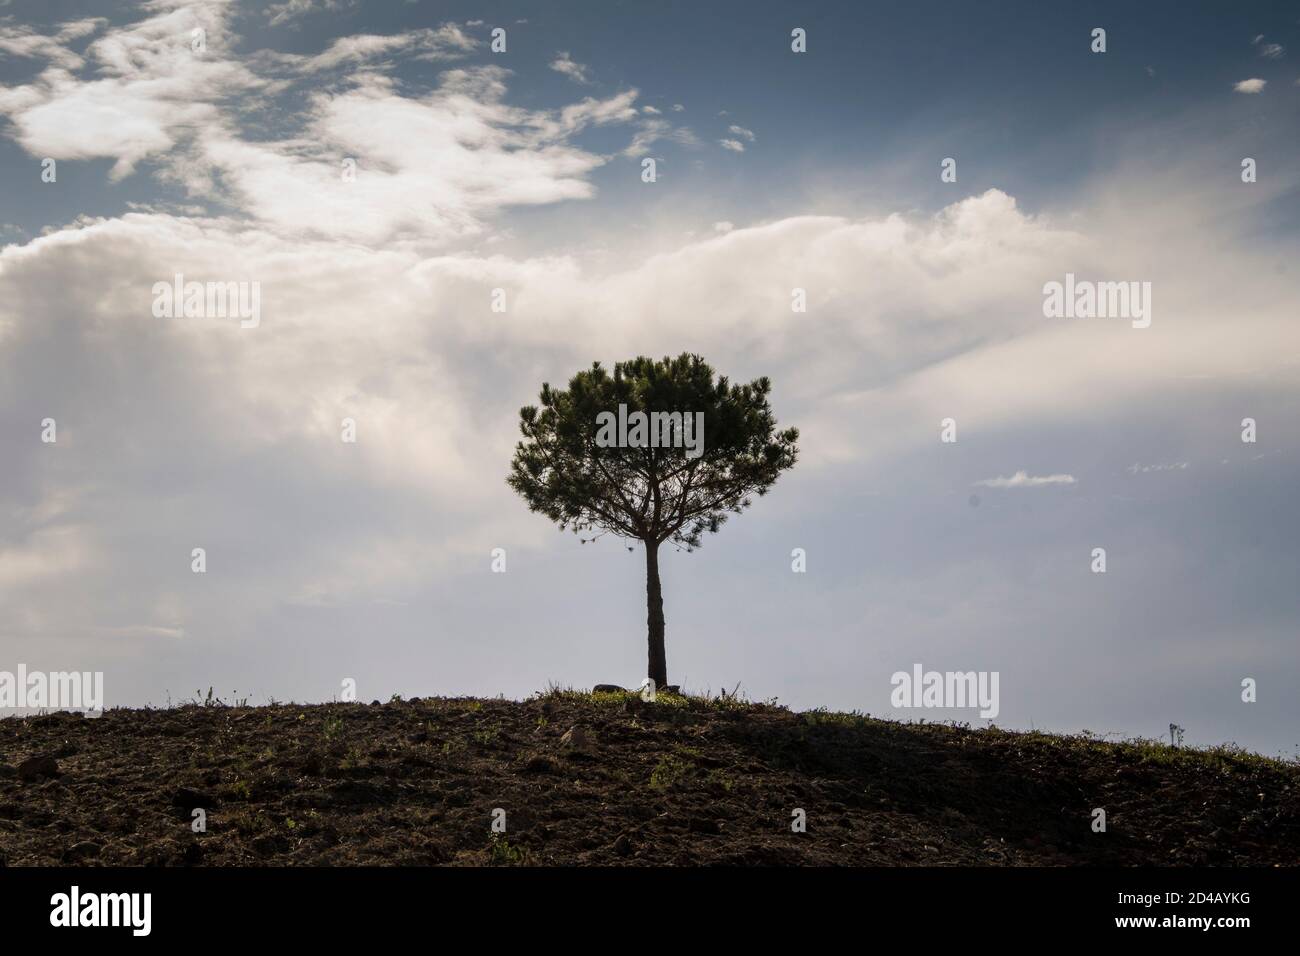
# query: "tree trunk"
{"points": [[658, 670]]}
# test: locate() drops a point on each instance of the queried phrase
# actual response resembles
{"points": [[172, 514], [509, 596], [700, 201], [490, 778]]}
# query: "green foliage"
{"points": [[503, 854], [332, 726], [644, 493], [670, 770]]}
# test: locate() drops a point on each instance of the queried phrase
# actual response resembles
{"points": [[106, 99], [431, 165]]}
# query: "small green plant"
{"points": [[333, 726], [669, 771], [717, 776], [503, 854]]}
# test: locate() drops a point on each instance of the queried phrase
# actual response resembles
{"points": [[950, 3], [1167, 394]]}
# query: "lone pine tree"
{"points": [[655, 477]]}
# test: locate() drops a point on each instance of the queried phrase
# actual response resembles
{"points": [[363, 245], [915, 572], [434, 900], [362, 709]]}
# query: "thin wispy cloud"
{"points": [[575, 71], [289, 11], [1023, 479], [1139, 469], [1269, 51]]}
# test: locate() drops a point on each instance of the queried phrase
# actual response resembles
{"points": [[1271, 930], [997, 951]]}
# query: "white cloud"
{"points": [[23, 41], [149, 92], [435, 168], [651, 131], [289, 10], [563, 63], [741, 132], [1022, 479], [1254, 85], [913, 316], [432, 167], [1139, 469], [734, 145], [447, 42]]}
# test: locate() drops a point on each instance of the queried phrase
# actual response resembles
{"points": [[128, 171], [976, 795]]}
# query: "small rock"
{"points": [[539, 763], [86, 850], [608, 689], [704, 825], [33, 768], [267, 845], [622, 846], [188, 800], [575, 738], [313, 765]]}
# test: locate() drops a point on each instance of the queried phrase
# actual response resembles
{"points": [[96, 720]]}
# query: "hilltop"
{"points": [[682, 780]]}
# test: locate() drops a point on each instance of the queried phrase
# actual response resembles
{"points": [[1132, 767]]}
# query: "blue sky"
{"points": [[521, 171]]}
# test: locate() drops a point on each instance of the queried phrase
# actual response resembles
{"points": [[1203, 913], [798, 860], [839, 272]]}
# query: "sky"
{"points": [[378, 169]]}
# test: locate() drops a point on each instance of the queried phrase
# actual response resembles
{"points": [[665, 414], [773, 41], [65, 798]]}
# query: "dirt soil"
{"points": [[680, 781]]}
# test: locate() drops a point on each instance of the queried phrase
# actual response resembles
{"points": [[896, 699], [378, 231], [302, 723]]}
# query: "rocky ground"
{"points": [[608, 779]]}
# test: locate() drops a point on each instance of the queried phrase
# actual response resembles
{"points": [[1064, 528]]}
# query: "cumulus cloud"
{"points": [[914, 317], [149, 89], [437, 167], [1254, 85], [734, 145], [434, 167]]}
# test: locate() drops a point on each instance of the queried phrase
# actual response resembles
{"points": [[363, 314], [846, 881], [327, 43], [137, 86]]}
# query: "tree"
{"points": [[659, 482]]}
